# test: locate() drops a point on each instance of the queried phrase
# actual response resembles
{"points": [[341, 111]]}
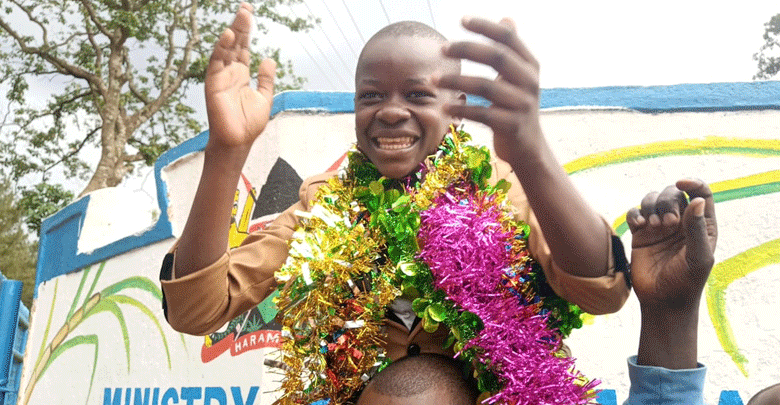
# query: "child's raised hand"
{"points": [[237, 112], [514, 94], [672, 254]]}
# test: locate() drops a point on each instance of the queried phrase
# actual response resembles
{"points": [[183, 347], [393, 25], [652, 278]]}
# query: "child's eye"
{"points": [[369, 95], [419, 95]]}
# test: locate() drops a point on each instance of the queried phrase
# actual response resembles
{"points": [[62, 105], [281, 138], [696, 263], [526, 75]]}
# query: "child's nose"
{"points": [[392, 114]]}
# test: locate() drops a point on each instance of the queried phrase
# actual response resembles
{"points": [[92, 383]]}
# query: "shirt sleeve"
{"points": [[201, 302], [657, 385], [595, 295]]}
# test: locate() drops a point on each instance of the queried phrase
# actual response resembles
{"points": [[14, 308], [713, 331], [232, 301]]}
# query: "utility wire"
{"points": [[327, 37], [363, 40], [324, 3], [433, 20], [384, 11], [332, 68], [322, 71]]}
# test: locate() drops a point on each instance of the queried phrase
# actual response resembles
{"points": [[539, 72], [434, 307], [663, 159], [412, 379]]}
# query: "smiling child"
{"points": [[409, 92]]}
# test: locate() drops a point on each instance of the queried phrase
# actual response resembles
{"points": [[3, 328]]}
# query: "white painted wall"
{"points": [[310, 143]]}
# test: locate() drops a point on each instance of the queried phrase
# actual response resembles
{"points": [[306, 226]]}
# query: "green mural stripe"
{"points": [[710, 145], [745, 192], [723, 274]]}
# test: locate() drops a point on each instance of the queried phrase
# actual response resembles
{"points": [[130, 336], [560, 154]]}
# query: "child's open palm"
{"points": [[237, 112]]}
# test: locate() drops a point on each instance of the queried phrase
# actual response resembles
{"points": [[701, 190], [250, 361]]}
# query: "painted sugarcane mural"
{"points": [[105, 300]]}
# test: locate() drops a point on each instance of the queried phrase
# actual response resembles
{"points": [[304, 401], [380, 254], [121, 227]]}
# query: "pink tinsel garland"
{"points": [[466, 247]]}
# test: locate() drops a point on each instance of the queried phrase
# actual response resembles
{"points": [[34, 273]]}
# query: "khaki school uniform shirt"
{"points": [[202, 302]]}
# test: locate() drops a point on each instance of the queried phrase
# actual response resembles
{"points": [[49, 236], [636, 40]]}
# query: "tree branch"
{"points": [[137, 157], [62, 66], [96, 47], [140, 5], [95, 20], [171, 51], [29, 12], [181, 74], [131, 84], [74, 151]]}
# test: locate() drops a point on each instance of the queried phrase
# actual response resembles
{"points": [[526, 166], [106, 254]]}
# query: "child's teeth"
{"points": [[395, 143]]}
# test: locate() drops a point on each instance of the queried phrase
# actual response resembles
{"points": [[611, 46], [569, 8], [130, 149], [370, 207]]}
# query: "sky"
{"points": [[578, 43]]}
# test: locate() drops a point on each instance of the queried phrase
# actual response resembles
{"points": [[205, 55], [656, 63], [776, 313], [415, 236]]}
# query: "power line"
{"points": [[339, 27], [363, 40], [322, 71], [333, 68], [384, 11], [433, 20], [335, 50]]}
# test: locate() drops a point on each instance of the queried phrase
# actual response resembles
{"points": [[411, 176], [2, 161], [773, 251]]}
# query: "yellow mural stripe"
{"points": [[721, 187], [695, 146], [747, 181], [723, 274]]}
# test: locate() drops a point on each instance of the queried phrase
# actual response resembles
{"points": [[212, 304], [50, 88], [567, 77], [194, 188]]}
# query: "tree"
{"points": [[41, 201], [17, 253], [122, 68], [768, 56]]}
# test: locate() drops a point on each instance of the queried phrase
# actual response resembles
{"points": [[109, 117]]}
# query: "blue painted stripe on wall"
{"points": [[654, 99], [677, 98], [58, 254]]}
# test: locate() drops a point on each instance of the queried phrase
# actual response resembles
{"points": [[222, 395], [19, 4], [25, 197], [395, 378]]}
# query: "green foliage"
{"points": [[41, 201], [768, 56], [119, 72], [17, 253]]}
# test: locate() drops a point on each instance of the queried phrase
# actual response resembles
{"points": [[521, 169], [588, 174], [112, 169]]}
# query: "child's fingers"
{"points": [[647, 208], [509, 23], [500, 32], [242, 27], [671, 202], [223, 50], [698, 188], [505, 62], [635, 220], [265, 78], [498, 119], [499, 92], [698, 253]]}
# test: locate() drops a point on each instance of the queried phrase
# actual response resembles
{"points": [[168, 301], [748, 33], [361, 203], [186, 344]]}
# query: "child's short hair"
{"points": [[414, 29], [413, 375]]}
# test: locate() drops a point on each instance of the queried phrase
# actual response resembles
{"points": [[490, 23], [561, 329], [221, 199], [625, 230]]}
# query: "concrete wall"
{"points": [[98, 335]]}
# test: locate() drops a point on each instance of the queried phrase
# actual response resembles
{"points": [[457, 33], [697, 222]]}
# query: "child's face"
{"points": [[399, 115]]}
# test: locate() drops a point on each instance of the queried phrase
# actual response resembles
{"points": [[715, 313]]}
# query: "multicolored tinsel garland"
{"points": [[444, 238]]}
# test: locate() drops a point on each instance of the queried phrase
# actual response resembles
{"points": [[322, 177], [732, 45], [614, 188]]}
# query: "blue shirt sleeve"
{"points": [[657, 385]]}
